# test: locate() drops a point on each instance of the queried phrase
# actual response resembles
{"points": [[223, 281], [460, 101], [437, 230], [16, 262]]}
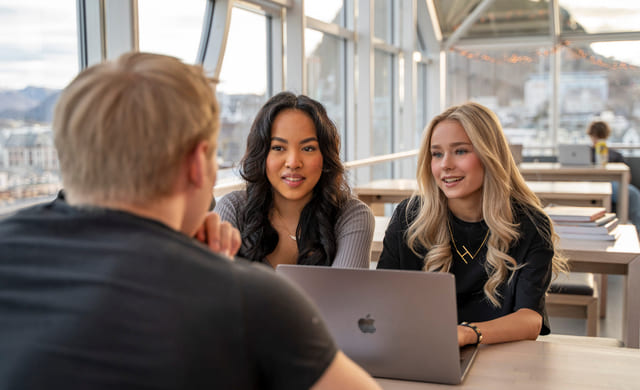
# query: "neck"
{"points": [[164, 210], [467, 211], [290, 209]]}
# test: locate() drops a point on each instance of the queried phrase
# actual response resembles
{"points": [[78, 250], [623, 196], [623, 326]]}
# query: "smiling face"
{"points": [[456, 167], [294, 162]]}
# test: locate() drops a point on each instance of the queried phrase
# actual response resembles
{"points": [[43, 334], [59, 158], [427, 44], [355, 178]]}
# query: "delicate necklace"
{"points": [[284, 225], [466, 251]]}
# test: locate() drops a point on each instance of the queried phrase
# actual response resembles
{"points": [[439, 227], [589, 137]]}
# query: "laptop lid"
{"points": [[569, 154], [395, 324]]}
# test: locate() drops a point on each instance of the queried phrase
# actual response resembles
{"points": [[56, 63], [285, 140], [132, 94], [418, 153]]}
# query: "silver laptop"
{"points": [[395, 324], [569, 154]]}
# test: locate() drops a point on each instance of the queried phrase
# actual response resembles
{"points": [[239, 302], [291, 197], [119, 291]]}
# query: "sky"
{"points": [[38, 43], [38, 38]]}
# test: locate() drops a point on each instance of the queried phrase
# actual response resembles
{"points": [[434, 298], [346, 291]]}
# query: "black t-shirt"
{"points": [[525, 289], [103, 299], [614, 156]]}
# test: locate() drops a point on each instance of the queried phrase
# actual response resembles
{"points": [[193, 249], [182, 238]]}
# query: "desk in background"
{"points": [[611, 172], [620, 257], [543, 365], [571, 193]]}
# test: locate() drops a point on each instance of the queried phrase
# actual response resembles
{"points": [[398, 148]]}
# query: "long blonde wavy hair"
{"points": [[503, 184]]}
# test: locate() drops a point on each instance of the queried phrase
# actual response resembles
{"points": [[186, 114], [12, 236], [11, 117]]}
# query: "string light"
{"points": [[577, 53]]}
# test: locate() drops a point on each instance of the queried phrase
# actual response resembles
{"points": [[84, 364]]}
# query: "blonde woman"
{"points": [[474, 216]]}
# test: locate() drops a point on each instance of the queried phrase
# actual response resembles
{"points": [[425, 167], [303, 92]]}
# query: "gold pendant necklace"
{"points": [[466, 251], [284, 225]]}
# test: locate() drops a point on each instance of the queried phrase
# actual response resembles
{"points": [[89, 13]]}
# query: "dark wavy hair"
{"points": [[316, 237]]}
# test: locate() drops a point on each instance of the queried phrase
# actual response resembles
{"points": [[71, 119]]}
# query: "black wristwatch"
{"points": [[475, 329]]}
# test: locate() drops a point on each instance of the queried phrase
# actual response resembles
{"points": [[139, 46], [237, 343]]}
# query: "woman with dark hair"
{"points": [[297, 207]]}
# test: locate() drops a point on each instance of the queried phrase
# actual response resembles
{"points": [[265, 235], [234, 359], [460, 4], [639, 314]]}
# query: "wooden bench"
{"points": [[575, 295]]}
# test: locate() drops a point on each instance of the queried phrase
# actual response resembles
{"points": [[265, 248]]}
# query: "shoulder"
{"points": [[258, 278], [235, 199], [355, 211], [406, 212], [230, 205], [529, 216], [615, 156], [534, 224]]}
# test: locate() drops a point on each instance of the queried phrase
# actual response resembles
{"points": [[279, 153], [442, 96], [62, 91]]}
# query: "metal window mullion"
{"points": [[216, 41], [329, 28]]}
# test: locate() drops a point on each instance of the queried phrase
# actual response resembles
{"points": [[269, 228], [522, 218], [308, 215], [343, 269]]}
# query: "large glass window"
{"points": [[502, 18], [600, 81], [595, 16], [383, 20], [171, 27], [514, 83], [383, 110], [421, 98], [325, 75], [421, 119], [38, 57], [328, 11], [243, 82]]}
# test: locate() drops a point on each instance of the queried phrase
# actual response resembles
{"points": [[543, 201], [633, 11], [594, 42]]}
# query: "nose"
{"points": [[293, 160], [446, 163]]}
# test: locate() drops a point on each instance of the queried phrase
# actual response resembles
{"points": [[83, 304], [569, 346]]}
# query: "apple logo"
{"points": [[366, 324]]}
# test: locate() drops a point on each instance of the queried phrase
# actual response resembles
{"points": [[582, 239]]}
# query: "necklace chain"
{"points": [[284, 225], [466, 251]]}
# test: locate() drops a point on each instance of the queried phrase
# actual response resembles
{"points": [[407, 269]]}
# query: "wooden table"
{"points": [[534, 365], [570, 193], [611, 172], [620, 257]]}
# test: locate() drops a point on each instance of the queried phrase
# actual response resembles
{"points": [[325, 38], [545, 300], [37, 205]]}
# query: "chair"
{"points": [[575, 295]]}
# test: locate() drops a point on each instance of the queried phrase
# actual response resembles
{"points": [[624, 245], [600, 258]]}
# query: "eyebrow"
{"points": [[304, 141], [453, 144]]}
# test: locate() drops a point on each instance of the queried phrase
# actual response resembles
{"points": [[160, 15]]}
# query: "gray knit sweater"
{"points": [[353, 229]]}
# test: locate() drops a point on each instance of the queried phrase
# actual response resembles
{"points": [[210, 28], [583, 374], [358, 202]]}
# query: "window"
{"points": [[514, 83], [421, 98], [419, 54], [325, 56], [502, 18], [39, 46], [598, 81], [383, 110], [594, 16], [171, 27], [243, 82], [328, 11], [383, 20]]}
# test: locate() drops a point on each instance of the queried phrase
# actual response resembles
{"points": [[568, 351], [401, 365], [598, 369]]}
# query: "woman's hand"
{"points": [[220, 236], [466, 336], [524, 324]]}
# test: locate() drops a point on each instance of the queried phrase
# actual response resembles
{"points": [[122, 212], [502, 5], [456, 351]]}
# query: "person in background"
{"points": [[297, 207], [600, 131], [105, 287], [474, 216]]}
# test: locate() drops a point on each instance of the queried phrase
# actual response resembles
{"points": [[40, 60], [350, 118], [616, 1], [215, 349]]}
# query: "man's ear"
{"points": [[197, 164]]}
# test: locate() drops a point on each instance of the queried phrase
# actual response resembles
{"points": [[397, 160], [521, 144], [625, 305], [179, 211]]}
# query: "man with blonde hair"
{"points": [[105, 287]]}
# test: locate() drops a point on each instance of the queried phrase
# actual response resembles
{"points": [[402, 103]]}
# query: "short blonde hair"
{"points": [[503, 185], [122, 128]]}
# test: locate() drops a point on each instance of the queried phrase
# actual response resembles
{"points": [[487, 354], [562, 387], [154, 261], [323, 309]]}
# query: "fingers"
{"points": [[220, 236], [229, 239]]}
